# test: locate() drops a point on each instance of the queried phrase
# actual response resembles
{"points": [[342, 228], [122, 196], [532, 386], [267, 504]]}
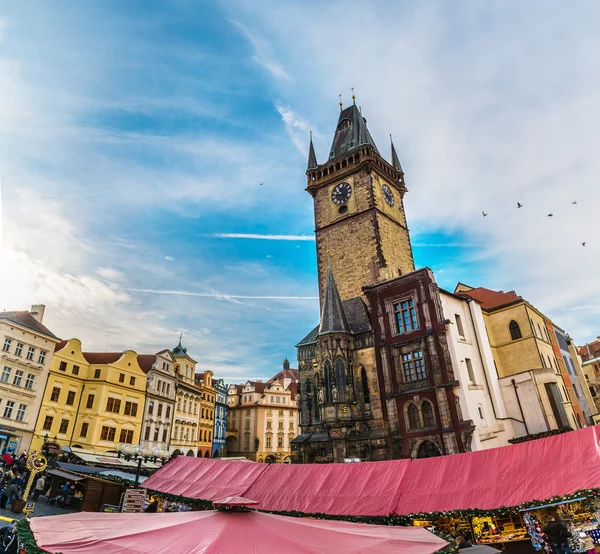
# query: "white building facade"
{"points": [[478, 389], [26, 352]]}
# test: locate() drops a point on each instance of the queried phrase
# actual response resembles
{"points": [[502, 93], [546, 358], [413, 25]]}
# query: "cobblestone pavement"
{"points": [[42, 508]]}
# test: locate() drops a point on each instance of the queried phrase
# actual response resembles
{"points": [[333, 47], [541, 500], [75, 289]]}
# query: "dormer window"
{"points": [[344, 124]]}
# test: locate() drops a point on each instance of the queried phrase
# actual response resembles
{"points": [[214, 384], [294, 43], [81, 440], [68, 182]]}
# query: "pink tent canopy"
{"points": [[507, 476], [214, 532]]}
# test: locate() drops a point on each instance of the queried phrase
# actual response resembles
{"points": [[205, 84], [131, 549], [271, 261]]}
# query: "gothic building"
{"points": [[376, 377]]}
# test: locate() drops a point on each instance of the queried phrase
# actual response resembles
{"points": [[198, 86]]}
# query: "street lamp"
{"points": [[139, 454]]}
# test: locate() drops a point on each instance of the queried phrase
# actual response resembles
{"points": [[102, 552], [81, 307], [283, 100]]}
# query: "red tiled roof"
{"points": [[291, 373], [60, 345], [589, 350], [490, 299], [102, 357], [146, 361], [27, 320], [293, 388]]}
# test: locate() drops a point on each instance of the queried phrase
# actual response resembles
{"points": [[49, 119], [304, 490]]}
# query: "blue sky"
{"points": [[134, 137]]}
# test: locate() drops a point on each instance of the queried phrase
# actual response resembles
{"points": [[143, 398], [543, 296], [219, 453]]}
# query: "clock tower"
{"points": [[359, 210]]}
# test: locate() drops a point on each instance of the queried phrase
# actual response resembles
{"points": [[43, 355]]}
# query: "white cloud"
{"points": [[263, 52], [169, 258], [297, 128], [219, 295], [261, 237], [477, 127]]}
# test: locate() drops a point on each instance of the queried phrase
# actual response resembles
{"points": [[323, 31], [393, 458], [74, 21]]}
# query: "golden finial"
{"points": [[328, 259], [353, 97], [340, 102], [360, 109]]}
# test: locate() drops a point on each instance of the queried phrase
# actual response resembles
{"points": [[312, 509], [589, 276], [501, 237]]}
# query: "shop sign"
{"points": [[109, 508], [3, 437], [134, 500]]}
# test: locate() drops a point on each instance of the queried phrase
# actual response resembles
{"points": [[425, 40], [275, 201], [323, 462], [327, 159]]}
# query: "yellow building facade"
{"points": [[92, 400], [206, 421], [262, 418]]}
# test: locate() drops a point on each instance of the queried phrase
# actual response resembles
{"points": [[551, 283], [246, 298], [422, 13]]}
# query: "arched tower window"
{"points": [[428, 450], [515, 330], [340, 379], [428, 417], [365, 386], [414, 421], [328, 382]]}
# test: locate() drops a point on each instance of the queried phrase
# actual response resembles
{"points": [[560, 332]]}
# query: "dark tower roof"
{"points": [[395, 159], [333, 318], [351, 132], [179, 350], [312, 158]]}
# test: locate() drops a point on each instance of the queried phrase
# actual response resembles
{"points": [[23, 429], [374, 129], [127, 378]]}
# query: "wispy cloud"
{"points": [[444, 245], [259, 237], [263, 52], [297, 127], [219, 295]]}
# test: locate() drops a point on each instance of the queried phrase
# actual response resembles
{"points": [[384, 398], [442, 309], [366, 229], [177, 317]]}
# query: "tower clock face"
{"points": [[341, 193], [388, 194]]}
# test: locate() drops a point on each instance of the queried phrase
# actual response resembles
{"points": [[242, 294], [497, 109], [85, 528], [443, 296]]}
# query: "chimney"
{"points": [[37, 311], [286, 364]]}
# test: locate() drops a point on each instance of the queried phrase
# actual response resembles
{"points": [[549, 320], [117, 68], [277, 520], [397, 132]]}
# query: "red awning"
{"points": [[214, 532], [507, 476]]}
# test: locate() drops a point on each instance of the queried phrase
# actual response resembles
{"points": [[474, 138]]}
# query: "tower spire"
{"points": [[333, 318], [395, 159], [312, 158], [341, 103]]}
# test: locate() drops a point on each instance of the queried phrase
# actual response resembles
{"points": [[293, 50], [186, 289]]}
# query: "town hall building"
{"points": [[382, 376]]}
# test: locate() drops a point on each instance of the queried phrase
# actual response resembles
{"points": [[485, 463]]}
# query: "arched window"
{"points": [[414, 422], [428, 450], [515, 330], [340, 379], [428, 417], [328, 382], [365, 386]]}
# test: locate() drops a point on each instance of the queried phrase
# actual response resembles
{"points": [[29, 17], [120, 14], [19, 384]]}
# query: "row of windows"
{"points": [[18, 378], [112, 404], [9, 411], [19, 351], [159, 410], [156, 434], [193, 406], [185, 434], [107, 434], [268, 442], [270, 425], [63, 366], [163, 387]]}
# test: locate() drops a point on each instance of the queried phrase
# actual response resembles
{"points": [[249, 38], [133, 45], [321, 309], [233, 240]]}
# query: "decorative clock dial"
{"points": [[388, 194], [341, 193]]}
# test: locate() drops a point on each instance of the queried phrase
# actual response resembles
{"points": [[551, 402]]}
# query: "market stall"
{"points": [[89, 493], [225, 532]]}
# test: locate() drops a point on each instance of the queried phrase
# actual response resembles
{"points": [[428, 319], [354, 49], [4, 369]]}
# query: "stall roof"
{"points": [[105, 460], [508, 476], [66, 475], [206, 532]]}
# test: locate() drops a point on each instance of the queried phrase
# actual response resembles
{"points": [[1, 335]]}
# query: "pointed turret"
{"points": [[395, 159], [351, 132], [179, 350], [333, 318], [312, 158]]}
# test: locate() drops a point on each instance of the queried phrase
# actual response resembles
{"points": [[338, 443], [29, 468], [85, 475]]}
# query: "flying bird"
{"points": [[574, 202], [583, 244], [483, 213], [519, 205], [550, 215], [261, 185]]}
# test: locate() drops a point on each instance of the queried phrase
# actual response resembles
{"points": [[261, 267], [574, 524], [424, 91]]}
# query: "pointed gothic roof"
{"points": [[395, 159], [333, 317], [312, 157], [349, 137]]}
